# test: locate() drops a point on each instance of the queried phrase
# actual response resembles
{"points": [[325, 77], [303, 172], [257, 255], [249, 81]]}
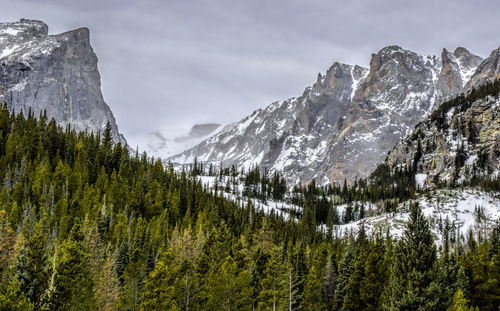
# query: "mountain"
{"points": [[461, 139], [160, 145], [53, 73], [343, 125]]}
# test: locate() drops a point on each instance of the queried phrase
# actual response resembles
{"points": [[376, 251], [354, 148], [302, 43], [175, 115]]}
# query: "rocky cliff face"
{"points": [[55, 73], [344, 124], [397, 93], [461, 142]]}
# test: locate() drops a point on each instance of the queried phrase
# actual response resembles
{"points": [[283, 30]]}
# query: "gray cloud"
{"points": [[169, 64]]}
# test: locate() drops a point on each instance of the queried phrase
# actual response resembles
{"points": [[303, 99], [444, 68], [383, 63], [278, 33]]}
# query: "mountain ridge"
{"points": [[344, 123]]}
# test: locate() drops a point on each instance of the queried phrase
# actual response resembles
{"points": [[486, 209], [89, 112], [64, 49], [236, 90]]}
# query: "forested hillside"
{"points": [[84, 225]]}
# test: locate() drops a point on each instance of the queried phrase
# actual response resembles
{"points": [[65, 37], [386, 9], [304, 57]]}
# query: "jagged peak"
{"points": [[390, 49], [461, 51], [469, 59], [338, 75], [48, 79], [391, 52], [320, 78], [338, 68], [446, 56]]}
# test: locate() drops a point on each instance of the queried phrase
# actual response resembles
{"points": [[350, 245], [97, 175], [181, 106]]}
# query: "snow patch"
{"points": [[420, 180]]}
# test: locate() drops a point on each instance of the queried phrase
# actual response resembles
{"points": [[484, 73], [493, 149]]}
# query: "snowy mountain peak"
{"points": [[343, 125]]}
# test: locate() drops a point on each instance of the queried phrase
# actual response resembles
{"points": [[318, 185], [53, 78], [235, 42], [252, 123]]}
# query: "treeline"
{"points": [[384, 187]]}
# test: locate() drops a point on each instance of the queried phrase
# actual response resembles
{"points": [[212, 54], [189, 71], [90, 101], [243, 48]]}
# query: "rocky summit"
{"points": [[343, 125], [53, 73], [460, 141]]}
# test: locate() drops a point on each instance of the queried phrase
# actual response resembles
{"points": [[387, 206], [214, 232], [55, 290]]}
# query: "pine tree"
{"points": [[329, 282], [258, 267], [33, 269], [134, 277], [414, 264], [344, 275], [463, 282], [7, 242], [313, 296], [159, 290], [482, 278], [297, 275], [494, 281], [352, 301], [72, 287], [122, 262], [293, 286], [460, 303], [273, 295], [308, 221], [375, 280], [229, 289], [187, 286], [107, 287], [13, 298]]}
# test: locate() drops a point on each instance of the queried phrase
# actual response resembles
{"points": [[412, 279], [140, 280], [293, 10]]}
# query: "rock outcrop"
{"points": [[53, 73], [459, 141]]}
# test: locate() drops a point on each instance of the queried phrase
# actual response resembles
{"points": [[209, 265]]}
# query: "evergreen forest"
{"points": [[86, 224]]}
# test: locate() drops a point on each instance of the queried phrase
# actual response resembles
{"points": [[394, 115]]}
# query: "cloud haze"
{"points": [[166, 65]]}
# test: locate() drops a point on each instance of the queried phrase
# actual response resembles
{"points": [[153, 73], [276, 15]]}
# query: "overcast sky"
{"points": [[166, 65]]}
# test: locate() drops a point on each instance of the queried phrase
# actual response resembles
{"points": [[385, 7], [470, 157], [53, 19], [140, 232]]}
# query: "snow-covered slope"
{"points": [[344, 124], [232, 189], [464, 210], [457, 211]]}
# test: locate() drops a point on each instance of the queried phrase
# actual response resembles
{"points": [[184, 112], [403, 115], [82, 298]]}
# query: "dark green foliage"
{"points": [[33, 269], [12, 298], [345, 270], [72, 287]]}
